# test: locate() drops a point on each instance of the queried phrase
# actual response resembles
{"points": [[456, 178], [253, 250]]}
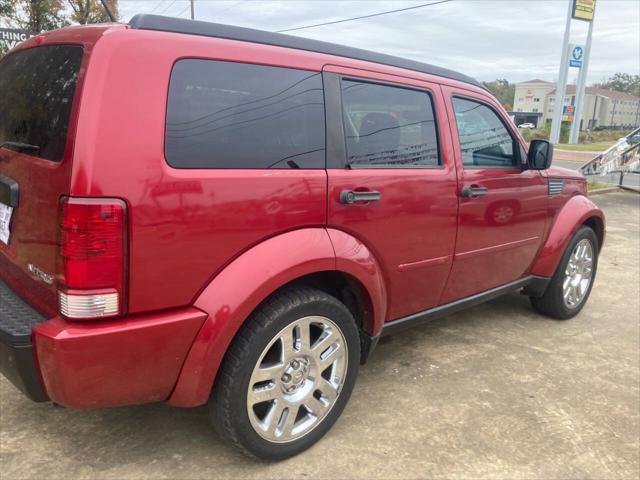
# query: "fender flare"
{"points": [[233, 294], [574, 213]]}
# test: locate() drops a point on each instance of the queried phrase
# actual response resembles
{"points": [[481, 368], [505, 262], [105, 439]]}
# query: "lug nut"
{"points": [[295, 364], [286, 377]]}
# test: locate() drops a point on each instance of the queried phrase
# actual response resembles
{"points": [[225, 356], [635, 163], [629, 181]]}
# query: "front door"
{"points": [[392, 179], [502, 205]]}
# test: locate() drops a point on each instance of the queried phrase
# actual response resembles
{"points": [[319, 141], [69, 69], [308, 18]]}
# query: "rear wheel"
{"points": [[571, 284], [288, 374]]}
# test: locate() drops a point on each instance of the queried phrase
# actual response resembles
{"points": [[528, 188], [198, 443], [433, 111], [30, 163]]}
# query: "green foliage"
{"points": [[503, 91], [622, 82], [544, 132], [92, 11], [41, 15], [7, 8]]}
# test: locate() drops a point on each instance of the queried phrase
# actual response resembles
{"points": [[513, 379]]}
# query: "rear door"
{"points": [[37, 101], [392, 181], [502, 204]]}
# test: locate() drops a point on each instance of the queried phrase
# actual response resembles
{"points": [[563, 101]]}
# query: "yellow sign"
{"points": [[583, 9]]}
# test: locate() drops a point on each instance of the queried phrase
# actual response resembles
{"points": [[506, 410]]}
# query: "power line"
{"points": [[168, 7], [157, 5], [184, 10], [231, 6], [364, 16]]}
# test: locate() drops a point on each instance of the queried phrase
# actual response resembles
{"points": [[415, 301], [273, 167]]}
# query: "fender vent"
{"points": [[555, 186]]}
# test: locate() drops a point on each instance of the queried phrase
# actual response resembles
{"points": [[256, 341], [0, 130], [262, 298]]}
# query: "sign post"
{"points": [[556, 122], [574, 56], [582, 80]]}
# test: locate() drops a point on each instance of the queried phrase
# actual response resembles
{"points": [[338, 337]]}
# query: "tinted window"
{"points": [[484, 140], [36, 94], [237, 115], [388, 126]]}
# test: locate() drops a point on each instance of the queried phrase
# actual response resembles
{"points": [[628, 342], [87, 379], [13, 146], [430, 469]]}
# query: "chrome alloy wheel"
{"points": [[297, 379], [578, 274]]}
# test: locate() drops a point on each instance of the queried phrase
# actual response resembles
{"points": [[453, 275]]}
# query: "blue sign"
{"points": [[576, 56]]}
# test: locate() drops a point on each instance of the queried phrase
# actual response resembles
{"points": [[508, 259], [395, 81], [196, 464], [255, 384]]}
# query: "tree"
{"points": [[42, 15], [503, 91], [622, 82], [92, 11], [7, 8]]}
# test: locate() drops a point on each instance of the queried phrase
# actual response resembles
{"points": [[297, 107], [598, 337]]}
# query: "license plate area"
{"points": [[5, 221], [9, 195]]}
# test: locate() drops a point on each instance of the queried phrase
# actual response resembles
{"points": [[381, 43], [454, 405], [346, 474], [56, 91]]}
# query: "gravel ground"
{"points": [[494, 392]]}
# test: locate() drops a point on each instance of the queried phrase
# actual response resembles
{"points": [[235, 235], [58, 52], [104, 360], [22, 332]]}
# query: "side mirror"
{"points": [[540, 155]]}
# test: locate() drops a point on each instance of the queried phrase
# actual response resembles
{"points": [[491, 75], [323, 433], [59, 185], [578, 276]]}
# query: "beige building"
{"points": [[534, 102]]}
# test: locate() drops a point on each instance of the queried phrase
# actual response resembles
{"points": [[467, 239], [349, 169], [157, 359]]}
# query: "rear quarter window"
{"points": [[37, 86], [237, 115]]}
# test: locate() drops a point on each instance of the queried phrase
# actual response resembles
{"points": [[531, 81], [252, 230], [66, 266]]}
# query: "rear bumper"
{"points": [[131, 360], [19, 367], [17, 361], [127, 361]]}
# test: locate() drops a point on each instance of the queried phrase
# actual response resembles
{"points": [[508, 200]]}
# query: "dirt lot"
{"points": [[494, 392]]}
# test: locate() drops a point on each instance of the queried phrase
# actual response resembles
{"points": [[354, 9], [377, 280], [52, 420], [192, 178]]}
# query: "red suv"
{"points": [[197, 213]]}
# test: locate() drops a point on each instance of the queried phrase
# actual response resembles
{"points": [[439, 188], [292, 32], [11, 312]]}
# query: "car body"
{"points": [[132, 263], [526, 125]]}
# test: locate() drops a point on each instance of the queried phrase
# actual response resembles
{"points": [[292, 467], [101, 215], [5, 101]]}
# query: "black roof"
{"points": [[231, 32]]}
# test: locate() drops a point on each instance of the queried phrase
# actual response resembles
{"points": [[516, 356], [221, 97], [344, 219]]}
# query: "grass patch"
{"points": [[584, 147], [595, 185]]}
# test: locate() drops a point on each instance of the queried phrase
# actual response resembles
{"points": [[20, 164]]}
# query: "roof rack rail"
{"points": [[230, 32]]}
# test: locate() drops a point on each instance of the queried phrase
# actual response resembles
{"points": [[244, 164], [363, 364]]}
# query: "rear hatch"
{"points": [[38, 105]]}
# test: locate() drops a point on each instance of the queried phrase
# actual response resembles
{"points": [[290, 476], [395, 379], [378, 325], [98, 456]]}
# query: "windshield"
{"points": [[36, 93]]}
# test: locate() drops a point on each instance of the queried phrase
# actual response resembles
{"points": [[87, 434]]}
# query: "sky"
{"points": [[487, 39]]}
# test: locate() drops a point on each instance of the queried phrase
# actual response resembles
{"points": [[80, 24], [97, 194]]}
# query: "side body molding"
{"points": [[574, 213], [240, 287]]}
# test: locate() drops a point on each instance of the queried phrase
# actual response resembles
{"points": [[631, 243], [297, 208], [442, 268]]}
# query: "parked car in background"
{"points": [[526, 125], [200, 214]]}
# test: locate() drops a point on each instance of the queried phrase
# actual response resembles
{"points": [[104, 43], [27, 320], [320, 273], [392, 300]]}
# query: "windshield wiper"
{"points": [[19, 145]]}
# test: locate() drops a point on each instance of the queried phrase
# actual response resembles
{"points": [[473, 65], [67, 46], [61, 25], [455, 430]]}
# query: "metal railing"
{"points": [[623, 156]]}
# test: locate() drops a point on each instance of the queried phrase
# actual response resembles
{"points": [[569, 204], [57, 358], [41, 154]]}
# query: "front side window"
{"points": [[237, 115], [388, 127], [484, 139]]}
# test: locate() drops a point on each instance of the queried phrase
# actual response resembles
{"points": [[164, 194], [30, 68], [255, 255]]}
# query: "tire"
{"points": [[553, 302], [299, 379]]}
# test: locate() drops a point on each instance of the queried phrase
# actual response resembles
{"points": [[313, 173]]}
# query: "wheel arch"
{"points": [[305, 256], [577, 211]]}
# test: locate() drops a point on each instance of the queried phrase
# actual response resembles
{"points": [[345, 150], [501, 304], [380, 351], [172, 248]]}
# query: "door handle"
{"points": [[473, 191], [350, 196]]}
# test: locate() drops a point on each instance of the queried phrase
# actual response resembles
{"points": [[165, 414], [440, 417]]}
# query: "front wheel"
{"points": [[288, 374], [571, 284]]}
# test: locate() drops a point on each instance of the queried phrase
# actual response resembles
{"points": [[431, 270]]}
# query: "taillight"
{"points": [[92, 254]]}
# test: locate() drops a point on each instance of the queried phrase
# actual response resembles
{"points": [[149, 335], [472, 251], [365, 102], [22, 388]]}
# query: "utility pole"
{"points": [[580, 87], [108, 10], [192, 12], [556, 122]]}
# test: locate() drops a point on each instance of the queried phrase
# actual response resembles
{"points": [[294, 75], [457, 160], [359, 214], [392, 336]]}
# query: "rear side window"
{"points": [[36, 94], [388, 127], [238, 115], [484, 139]]}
